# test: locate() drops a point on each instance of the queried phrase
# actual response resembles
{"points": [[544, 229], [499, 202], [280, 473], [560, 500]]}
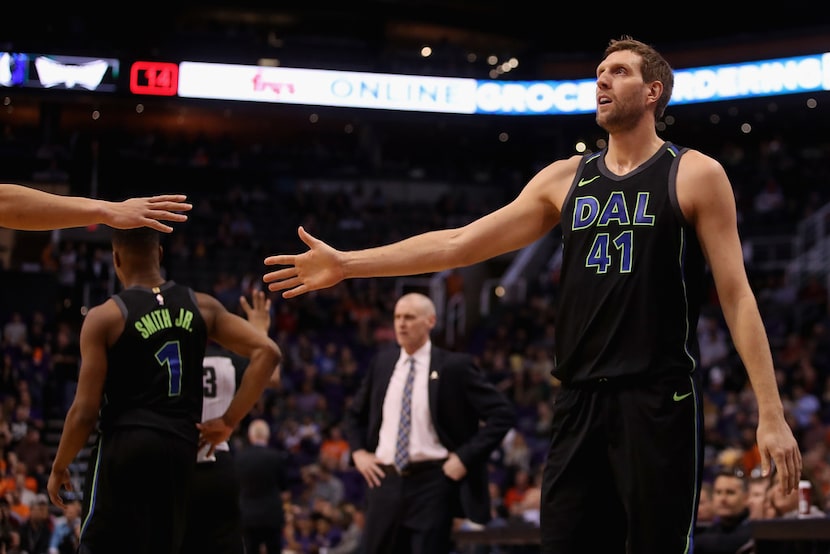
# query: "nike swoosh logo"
{"points": [[679, 397], [583, 182]]}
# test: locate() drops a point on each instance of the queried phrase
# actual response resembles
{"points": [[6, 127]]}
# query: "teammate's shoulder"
{"points": [[106, 313], [108, 306], [205, 299]]}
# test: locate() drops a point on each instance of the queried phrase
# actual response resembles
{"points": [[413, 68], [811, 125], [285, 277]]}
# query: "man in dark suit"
{"points": [[421, 429], [261, 473]]}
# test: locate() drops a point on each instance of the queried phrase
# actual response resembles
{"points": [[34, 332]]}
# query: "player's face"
{"points": [[621, 92]]}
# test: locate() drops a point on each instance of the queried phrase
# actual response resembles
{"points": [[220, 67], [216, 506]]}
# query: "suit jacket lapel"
{"points": [[385, 369], [433, 381]]}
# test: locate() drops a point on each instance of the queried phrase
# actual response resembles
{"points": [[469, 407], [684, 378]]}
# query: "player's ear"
{"points": [[655, 91]]}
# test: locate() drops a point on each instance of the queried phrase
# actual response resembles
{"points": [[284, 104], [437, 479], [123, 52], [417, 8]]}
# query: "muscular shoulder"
{"points": [[696, 165], [209, 307], [560, 172], [551, 183], [105, 320], [701, 183]]}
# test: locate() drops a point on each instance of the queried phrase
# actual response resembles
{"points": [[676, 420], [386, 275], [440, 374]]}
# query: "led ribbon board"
{"points": [[467, 96]]}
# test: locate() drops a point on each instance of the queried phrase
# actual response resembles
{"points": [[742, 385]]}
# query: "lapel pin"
{"points": [[433, 375]]}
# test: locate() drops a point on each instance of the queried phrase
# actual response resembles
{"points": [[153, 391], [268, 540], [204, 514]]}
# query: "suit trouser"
{"points": [[410, 514]]}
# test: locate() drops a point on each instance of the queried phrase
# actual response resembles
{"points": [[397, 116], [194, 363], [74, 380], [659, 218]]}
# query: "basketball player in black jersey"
{"points": [[640, 220], [141, 381]]}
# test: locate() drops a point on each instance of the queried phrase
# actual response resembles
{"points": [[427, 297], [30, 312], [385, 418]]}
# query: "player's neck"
{"points": [[628, 150], [146, 279]]}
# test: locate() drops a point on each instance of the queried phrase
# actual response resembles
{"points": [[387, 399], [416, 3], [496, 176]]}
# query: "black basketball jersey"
{"points": [[154, 376], [632, 274]]}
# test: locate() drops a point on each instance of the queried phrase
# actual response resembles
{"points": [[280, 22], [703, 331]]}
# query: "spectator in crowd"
{"points": [[21, 509], [325, 485], [705, 507], [785, 505], [15, 331], [261, 471], [351, 520], [9, 525], [67, 533], [36, 532], [756, 499], [334, 450], [28, 209], [300, 534], [527, 509], [421, 429], [33, 453], [729, 530]]}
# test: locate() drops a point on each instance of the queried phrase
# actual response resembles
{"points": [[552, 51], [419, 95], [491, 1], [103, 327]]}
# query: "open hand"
{"points": [[147, 212], [318, 268]]}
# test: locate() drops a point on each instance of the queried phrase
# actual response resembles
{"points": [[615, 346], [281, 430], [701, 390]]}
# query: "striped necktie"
{"points": [[402, 444]]}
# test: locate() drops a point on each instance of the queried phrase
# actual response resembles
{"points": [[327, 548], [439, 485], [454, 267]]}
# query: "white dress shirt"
{"points": [[423, 441]]}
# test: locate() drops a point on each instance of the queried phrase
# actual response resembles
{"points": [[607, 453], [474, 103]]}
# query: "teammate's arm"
{"points": [[83, 413], [238, 335], [258, 312], [534, 212], [29, 209]]}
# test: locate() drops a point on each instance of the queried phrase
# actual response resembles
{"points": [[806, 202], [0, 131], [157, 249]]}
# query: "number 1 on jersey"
{"points": [[170, 356]]}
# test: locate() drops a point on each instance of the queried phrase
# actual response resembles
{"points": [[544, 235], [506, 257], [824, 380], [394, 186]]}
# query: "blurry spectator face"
{"points": [[729, 496], [756, 498], [705, 508], [40, 511]]}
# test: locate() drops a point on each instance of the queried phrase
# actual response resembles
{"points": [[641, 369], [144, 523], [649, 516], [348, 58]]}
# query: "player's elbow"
{"points": [[82, 416], [271, 353]]}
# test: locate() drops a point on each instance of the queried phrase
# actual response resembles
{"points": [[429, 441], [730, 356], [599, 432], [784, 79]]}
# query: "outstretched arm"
{"points": [[29, 209], [534, 212]]}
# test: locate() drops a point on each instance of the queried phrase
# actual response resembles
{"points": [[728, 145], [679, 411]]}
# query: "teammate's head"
{"points": [[141, 240], [135, 250]]}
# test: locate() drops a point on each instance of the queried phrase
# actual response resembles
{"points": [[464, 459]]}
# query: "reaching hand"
{"points": [[318, 268], [260, 314], [147, 212]]}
